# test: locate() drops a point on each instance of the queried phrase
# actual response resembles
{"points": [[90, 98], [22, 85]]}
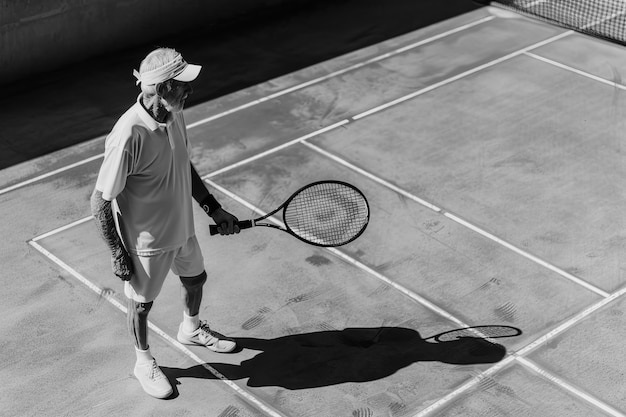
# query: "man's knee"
{"points": [[194, 282], [140, 308]]}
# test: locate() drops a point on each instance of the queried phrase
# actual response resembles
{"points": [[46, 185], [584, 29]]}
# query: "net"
{"points": [[327, 213], [604, 19]]}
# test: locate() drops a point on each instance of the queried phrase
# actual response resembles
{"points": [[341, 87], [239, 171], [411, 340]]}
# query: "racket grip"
{"points": [[245, 224]]}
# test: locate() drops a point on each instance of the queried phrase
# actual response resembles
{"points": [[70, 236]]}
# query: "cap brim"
{"points": [[190, 73]]}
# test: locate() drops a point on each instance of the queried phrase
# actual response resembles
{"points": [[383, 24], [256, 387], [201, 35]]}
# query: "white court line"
{"points": [[466, 386], [412, 295], [461, 75], [415, 297], [344, 70], [243, 393], [372, 177], [444, 313], [276, 148], [483, 372], [569, 323], [275, 95], [560, 382], [576, 71], [389, 104], [460, 221], [62, 228], [529, 256], [49, 174], [524, 351]]}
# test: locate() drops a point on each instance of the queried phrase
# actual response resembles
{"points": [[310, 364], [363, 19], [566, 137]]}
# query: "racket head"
{"points": [[483, 332], [326, 213]]}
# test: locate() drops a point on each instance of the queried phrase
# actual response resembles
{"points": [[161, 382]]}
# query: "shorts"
{"points": [[150, 271]]}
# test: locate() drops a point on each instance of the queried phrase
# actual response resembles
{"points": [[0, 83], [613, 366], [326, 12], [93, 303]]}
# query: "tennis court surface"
{"points": [[491, 149]]}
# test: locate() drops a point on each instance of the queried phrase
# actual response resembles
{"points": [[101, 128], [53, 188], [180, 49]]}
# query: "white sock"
{"points": [[143, 355], [190, 323]]}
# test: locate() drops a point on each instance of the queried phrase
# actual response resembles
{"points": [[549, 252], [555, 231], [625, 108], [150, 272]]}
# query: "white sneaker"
{"points": [[153, 380], [204, 336]]}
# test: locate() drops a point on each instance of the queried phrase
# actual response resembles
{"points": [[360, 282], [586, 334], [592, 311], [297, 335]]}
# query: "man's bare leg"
{"points": [[191, 295], [137, 317], [191, 330]]}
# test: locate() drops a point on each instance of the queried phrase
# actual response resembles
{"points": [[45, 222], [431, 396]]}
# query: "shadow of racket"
{"points": [[480, 332]]}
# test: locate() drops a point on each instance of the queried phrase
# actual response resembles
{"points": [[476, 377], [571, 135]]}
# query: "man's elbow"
{"points": [[98, 204]]}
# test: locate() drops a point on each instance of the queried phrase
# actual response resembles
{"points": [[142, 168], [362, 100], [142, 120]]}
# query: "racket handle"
{"points": [[245, 224]]}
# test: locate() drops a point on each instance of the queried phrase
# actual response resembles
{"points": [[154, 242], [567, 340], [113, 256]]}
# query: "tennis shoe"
{"points": [[204, 336], [152, 379]]}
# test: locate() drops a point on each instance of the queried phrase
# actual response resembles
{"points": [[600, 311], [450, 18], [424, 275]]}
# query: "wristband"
{"points": [[210, 204]]}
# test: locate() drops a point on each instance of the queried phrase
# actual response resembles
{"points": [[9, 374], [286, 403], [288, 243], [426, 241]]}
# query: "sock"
{"points": [[143, 355], [190, 323]]}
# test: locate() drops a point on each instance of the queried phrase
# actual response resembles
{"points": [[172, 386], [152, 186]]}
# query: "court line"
{"points": [[528, 255], [461, 75], [49, 174], [345, 70], [415, 297], [277, 94], [96, 287], [111, 299], [438, 404], [276, 148], [444, 313], [518, 356], [460, 221], [576, 71], [62, 228], [558, 381], [393, 103]]}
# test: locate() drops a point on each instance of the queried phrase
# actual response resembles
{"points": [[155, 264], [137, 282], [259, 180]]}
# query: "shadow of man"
{"points": [[325, 358]]}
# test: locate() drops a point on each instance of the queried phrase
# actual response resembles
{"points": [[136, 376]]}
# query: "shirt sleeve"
{"points": [[116, 167]]}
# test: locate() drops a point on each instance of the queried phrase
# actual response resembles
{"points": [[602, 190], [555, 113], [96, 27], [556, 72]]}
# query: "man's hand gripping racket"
{"points": [[324, 213]]}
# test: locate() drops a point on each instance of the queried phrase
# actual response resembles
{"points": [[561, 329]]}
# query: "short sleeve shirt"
{"points": [[146, 171]]}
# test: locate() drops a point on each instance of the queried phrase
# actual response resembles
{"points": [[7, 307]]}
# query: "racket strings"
{"points": [[329, 214]]}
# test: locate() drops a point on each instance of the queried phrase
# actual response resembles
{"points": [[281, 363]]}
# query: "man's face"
{"points": [[175, 95]]}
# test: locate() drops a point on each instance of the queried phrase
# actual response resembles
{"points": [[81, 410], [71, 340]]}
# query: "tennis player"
{"points": [[142, 204]]}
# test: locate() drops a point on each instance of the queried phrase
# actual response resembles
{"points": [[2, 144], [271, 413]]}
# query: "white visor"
{"points": [[176, 69], [190, 73]]}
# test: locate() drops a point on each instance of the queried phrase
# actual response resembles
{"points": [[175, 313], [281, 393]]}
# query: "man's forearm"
{"points": [[103, 214], [200, 193]]}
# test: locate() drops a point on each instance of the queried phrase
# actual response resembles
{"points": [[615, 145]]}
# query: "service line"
{"points": [[458, 220]]}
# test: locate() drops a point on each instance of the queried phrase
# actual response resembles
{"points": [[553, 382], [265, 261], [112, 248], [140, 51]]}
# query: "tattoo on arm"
{"points": [[103, 214]]}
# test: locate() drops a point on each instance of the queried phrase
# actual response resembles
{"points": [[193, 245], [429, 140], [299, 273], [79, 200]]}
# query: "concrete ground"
{"points": [[490, 148]]}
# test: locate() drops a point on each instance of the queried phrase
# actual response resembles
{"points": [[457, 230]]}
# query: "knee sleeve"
{"points": [[142, 308], [193, 282]]}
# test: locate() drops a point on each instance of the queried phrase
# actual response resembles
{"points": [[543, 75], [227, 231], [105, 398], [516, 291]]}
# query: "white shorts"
{"points": [[150, 271]]}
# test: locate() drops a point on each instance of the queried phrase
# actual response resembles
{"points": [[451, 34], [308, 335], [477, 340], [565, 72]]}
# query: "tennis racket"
{"points": [[324, 213], [483, 332]]}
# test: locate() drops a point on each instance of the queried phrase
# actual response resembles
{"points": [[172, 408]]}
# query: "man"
{"points": [[142, 203]]}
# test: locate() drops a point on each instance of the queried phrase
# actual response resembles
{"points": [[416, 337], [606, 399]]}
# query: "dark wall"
{"points": [[82, 99], [40, 35]]}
